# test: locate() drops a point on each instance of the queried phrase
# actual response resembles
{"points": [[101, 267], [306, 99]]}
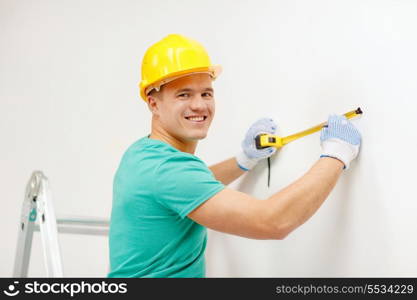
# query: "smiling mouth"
{"points": [[196, 118]]}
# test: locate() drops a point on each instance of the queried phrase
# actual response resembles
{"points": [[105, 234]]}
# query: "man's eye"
{"points": [[183, 95], [209, 95]]}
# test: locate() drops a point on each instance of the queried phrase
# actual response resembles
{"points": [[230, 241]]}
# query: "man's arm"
{"points": [[227, 171], [237, 213]]}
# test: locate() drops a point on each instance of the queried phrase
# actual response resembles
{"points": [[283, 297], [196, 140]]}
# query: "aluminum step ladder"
{"points": [[38, 215]]}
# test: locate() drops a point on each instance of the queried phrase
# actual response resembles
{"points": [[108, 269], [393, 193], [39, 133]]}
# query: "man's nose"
{"points": [[197, 103]]}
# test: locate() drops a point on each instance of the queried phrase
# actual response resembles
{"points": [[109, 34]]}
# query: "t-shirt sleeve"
{"points": [[183, 182]]}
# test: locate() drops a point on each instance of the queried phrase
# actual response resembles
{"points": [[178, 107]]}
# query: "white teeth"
{"points": [[196, 118]]}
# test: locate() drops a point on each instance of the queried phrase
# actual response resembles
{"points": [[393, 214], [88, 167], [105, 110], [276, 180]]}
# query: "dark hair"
{"points": [[154, 92]]}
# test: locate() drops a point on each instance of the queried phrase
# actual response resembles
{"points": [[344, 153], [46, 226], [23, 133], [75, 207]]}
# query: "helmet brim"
{"points": [[214, 71]]}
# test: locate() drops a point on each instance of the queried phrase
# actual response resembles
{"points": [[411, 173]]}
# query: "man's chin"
{"points": [[197, 136]]}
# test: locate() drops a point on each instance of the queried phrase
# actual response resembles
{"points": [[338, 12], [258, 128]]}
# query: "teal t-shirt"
{"points": [[155, 187]]}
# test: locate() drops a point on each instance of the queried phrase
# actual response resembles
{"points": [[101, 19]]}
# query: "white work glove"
{"points": [[340, 140], [250, 156]]}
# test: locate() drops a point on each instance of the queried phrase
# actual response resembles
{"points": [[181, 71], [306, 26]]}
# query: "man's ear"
{"points": [[152, 104]]}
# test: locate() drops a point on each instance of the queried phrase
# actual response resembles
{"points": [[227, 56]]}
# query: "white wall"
{"points": [[69, 106]]}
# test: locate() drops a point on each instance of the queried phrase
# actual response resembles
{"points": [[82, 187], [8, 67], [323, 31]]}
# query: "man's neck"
{"points": [[184, 146]]}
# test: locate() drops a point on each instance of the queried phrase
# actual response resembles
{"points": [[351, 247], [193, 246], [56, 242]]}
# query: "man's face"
{"points": [[185, 107]]}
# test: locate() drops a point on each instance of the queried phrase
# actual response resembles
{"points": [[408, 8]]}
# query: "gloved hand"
{"points": [[340, 139], [249, 156]]}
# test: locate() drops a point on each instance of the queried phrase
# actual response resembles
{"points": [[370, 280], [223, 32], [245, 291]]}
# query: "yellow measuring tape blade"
{"points": [[293, 137]]}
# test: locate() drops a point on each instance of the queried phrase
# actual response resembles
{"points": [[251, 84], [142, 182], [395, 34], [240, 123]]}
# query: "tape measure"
{"points": [[270, 140], [265, 140]]}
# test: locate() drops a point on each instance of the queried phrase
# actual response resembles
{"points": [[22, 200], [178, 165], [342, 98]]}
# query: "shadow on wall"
{"points": [[357, 236]]}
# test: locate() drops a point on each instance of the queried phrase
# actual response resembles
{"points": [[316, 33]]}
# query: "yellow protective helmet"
{"points": [[172, 57]]}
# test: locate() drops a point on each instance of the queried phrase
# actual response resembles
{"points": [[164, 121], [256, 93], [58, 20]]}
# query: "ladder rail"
{"points": [[26, 228], [49, 231]]}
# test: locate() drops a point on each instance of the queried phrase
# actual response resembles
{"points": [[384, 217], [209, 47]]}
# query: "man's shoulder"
{"points": [[142, 158], [146, 146], [157, 152]]}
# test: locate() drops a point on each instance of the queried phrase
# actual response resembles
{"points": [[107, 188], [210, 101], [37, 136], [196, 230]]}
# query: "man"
{"points": [[165, 197]]}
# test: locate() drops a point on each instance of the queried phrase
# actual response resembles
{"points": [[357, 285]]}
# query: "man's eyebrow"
{"points": [[209, 89], [184, 90]]}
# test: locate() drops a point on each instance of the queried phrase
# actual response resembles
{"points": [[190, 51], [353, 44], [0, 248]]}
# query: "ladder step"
{"points": [[82, 225]]}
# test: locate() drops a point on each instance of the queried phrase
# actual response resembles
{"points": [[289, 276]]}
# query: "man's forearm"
{"points": [[295, 204], [227, 171]]}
